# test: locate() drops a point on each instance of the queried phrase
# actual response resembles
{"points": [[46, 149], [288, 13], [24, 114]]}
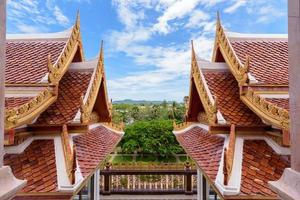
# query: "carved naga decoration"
{"points": [[87, 105], [57, 69], [26, 112], [239, 70], [209, 104]]}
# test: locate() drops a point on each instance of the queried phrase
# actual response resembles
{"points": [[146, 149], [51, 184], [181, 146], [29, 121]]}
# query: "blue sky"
{"points": [[147, 42]]}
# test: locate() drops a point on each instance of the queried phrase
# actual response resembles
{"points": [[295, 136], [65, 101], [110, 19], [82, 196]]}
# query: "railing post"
{"points": [[107, 180], [188, 179]]}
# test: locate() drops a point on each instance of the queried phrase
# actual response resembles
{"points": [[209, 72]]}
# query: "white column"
{"points": [[199, 185], [9, 184], [2, 74], [288, 187], [207, 189], [96, 184]]}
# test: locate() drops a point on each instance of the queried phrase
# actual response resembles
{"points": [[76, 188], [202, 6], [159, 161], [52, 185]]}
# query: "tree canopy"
{"points": [[151, 137]]}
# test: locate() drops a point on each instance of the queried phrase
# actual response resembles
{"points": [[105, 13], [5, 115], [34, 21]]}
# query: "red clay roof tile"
{"points": [[224, 87], [93, 147], [44, 197], [72, 86], [206, 149], [260, 165], [12, 102], [27, 60], [280, 102], [268, 60], [36, 165]]}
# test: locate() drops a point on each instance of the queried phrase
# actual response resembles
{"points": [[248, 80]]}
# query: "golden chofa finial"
{"points": [[78, 16], [193, 50], [102, 51], [218, 18]]}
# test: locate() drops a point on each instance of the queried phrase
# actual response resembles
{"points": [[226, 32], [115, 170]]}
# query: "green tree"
{"points": [[135, 113], [151, 137]]}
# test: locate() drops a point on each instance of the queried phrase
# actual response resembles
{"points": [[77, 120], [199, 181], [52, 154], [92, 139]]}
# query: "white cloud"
{"points": [[197, 18], [237, 4], [29, 16], [60, 17], [177, 10], [24, 28], [164, 67], [269, 13]]}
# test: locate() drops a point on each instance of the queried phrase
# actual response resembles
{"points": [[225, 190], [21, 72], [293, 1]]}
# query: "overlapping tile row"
{"points": [[13, 102], [260, 165], [268, 60], [280, 102], [206, 149], [71, 88], [36, 165], [27, 60], [224, 88], [45, 197], [93, 147]]}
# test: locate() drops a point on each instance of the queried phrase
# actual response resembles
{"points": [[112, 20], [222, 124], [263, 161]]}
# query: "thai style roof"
{"points": [[268, 58], [204, 148], [254, 162], [58, 127], [224, 88], [36, 165], [27, 59], [37, 162], [72, 87], [13, 102], [240, 101], [280, 102], [93, 147], [260, 165], [35, 65]]}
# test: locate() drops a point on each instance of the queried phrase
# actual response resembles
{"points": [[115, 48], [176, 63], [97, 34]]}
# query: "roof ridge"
{"points": [[65, 34]]}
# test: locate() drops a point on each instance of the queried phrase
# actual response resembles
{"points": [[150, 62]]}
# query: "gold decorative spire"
{"points": [[218, 19], [77, 22]]}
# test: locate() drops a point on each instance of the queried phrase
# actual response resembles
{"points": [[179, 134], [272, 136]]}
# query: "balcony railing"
{"points": [[154, 179]]}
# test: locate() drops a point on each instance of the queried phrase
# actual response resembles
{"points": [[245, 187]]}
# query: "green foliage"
{"points": [[146, 158], [130, 113], [122, 159], [151, 137], [167, 159]]}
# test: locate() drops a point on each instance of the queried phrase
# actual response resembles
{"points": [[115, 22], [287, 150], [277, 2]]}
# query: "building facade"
{"points": [[237, 125], [58, 128]]}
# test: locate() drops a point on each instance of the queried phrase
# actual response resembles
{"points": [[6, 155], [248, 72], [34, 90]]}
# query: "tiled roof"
{"points": [[12, 102], [224, 87], [44, 197], [206, 149], [27, 60], [268, 60], [93, 147], [280, 102], [36, 165], [260, 165], [72, 86]]}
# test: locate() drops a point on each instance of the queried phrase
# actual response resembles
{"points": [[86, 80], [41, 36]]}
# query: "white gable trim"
{"points": [[234, 183]]}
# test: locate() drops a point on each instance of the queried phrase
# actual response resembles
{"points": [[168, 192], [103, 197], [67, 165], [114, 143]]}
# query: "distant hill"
{"points": [[130, 101]]}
